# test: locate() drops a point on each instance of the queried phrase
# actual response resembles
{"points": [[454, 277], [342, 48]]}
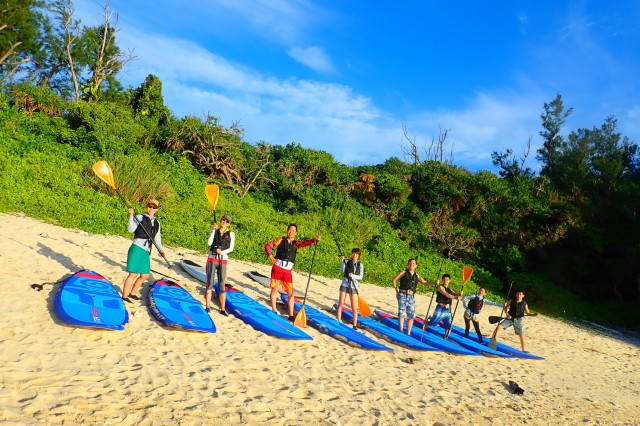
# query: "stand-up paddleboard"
{"points": [[500, 346], [196, 271], [248, 310], [416, 332], [389, 334], [266, 281], [87, 299], [472, 345], [337, 330], [174, 307], [261, 317]]}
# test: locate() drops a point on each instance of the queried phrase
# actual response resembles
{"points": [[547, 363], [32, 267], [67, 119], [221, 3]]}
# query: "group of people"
{"points": [[282, 253]]}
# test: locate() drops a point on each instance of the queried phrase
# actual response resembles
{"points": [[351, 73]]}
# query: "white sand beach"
{"points": [[53, 373]]}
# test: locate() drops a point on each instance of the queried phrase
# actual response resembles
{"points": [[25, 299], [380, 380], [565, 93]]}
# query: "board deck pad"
{"points": [[87, 299], [175, 307]]}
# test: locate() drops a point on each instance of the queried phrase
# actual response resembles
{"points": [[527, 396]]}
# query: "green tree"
{"points": [[20, 35], [553, 119]]}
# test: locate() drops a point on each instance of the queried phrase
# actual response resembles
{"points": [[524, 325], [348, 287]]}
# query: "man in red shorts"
{"points": [[286, 249]]}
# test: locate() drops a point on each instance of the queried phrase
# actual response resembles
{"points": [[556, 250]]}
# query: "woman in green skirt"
{"points": [[144, 227]]}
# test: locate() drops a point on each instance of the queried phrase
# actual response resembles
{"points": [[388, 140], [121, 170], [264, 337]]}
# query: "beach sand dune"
{"points": [[52, 373]]}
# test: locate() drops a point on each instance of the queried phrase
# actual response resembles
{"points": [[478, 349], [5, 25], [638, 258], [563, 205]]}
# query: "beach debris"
{"points": [[515, 388]]}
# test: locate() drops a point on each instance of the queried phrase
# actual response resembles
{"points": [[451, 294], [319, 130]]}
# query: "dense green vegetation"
{"points": [[569, 237]]}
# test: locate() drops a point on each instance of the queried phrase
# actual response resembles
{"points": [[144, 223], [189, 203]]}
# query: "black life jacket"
{"points": [[440, 298], [287, 250], [350, 267], [152, 229], [409, 281], [516, 309], [221, 241], [475, 305]]}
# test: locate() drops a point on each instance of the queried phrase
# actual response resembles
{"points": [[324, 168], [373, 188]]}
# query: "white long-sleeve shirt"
{"points": [[224, 254], [143, 242]]}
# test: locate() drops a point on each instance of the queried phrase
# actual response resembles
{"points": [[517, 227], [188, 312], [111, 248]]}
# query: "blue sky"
{"points": [[344, 75]]}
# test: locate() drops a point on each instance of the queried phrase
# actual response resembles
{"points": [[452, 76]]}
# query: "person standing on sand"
{"points": [[472, 312], [405, 294], [516, 310], [221, 242], [139, 255], [353, 271], [286, 250], [444, 296]]}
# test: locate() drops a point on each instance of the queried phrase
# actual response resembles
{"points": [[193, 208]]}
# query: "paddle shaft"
{"points": [[456, 308], [502, 312], [426, 315], [313, 259]]}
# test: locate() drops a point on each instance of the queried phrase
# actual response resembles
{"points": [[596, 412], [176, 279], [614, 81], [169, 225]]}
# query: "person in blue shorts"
{"points": [[516, 310], [405, 293], [139, 256], [442, 314]]}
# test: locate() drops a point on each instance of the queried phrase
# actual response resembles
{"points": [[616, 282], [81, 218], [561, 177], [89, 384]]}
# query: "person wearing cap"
{"points": [[145, 228], [221, 242]]}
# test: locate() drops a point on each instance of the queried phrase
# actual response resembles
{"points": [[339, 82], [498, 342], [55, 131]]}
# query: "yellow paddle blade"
{"points": [[213, 192], [301, 319], [466, 274], [103, 171], [363, 307]]}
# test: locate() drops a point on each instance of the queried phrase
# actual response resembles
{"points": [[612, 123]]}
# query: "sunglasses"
{"points": [[224, 220], [153, 206]]}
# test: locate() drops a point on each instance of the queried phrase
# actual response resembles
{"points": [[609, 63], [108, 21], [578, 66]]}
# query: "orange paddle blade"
{"points": [[466, 274], [363, 307], [103, 171], [301, 318], [213, 192]]}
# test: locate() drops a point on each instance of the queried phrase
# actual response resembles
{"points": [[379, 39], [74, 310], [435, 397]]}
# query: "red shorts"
{"points": [[281, 277]]}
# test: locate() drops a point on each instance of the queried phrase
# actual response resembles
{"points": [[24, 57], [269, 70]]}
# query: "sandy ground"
{"points": [[52, 373]]}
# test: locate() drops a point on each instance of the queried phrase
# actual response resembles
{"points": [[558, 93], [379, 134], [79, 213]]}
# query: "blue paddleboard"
{"points": [[87, 299], [389, 334], [428, 338], [472, 345], [500, 346], [331, 326], [248, 310], [175, 307]]}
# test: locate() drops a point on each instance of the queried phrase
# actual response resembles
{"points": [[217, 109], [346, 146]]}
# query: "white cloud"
{"points": [[488, 123], [313, 57]]}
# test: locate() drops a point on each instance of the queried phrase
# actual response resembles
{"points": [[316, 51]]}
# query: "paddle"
{"points": [[301, 317], [493, 344], [363, 306], [103, 171], [426, 315], [467, 271], [213, 193], [496, 319]]}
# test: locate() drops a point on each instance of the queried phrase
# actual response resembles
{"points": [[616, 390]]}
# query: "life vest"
{"points": [[150, 228], [221, 241], [349, 267], [440, 298], [287, 250], [409, 281], [475, 305], [516, 309]]}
